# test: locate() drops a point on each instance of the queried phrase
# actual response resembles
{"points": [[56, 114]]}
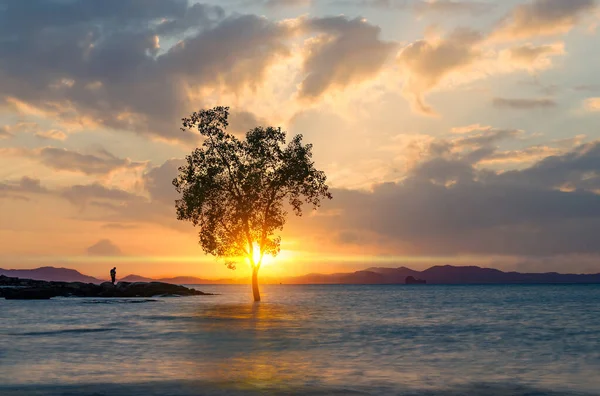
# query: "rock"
{"points": [[27, 289], [411, 280], [28, 294]]}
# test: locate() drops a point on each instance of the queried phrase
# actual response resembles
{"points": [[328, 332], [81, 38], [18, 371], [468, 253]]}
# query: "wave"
{"points": [[63, 331], [119, 301]]}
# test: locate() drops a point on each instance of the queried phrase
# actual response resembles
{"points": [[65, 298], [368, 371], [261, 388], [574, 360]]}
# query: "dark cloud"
{"points": [[241, 122], [103, 62], [523, 104], [21, 188], [159, 181], [577, 170], [446, 206], [100, 163], [346, 51], [543, 17], [104, 247]]}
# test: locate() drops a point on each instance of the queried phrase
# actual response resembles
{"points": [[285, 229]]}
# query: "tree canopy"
{"points": [[238, 191]]}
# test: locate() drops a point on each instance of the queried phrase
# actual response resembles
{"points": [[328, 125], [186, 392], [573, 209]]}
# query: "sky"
{"points": [[455, 132]]}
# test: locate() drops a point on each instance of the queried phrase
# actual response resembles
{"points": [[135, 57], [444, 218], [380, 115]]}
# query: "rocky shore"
{"points": [[28, 289]]}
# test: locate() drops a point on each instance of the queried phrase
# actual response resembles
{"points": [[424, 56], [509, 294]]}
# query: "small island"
{"points": [[29, 289], [411, 280]]}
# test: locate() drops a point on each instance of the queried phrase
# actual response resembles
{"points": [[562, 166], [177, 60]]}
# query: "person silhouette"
{"points": [[113, 275]]}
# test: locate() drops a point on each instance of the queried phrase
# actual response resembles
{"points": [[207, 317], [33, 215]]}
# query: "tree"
{"points": [[236, 190]]}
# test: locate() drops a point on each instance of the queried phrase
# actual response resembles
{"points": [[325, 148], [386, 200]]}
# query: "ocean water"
{"points": [[364, 340]]}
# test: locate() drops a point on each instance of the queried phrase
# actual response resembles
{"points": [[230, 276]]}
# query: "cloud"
{"points": [[534, 57], [587, 87], [100, 163], [452, 7], [241, 122], [523, 104], [576, 170], [9, 131], [486, 136], [104, 247], [422, 7], [426, 62], [105, 65], [592, 104], [446, 206], [81, 195], [543, 18], [480, 145], [287, 3], [25, 184], [52, 134], [469, 128], [525, 155], [158, 181], [346, 51], [5, 133], [21, 188]]}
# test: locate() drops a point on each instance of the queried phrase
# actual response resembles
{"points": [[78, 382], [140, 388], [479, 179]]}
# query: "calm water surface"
{"points": [[380, 340]]}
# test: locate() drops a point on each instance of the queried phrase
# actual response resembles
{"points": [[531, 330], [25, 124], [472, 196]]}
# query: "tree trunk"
{"points": [[255, 285]]}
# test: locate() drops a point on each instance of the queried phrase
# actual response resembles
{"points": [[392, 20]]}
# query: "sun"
{"points": [[255, 252], [267, 259]]}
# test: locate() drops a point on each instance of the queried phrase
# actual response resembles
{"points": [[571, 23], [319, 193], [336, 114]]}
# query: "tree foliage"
{"points": [[236, 191]]}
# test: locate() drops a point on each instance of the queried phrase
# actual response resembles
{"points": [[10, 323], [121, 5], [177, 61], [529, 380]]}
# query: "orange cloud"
{"points": [[426, 62], [592, 104], [533, 57]]}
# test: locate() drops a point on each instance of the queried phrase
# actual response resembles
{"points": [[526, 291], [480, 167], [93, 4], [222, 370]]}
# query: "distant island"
{"points": [[436, 275], [411, 280]]}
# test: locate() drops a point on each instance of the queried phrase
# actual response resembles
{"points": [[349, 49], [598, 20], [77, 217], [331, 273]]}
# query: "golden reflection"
{"points": [[257, 337], [257, 316]]}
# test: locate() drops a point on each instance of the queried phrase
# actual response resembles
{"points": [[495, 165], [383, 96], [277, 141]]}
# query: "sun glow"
{"points": [[266, 259]]}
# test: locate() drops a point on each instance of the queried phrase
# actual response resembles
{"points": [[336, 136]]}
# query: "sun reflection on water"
{"points": [[261, 358]]}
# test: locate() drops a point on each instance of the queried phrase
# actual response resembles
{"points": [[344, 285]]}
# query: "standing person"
{"points": [[113, 275]]}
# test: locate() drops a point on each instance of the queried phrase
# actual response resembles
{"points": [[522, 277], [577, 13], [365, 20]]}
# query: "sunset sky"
{"points": [[452, 132]]}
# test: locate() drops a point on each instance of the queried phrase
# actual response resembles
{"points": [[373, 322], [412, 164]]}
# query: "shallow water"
{"points": [[458, 340]]}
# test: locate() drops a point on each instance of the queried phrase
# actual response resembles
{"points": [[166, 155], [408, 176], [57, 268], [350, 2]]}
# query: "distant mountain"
{"points": [[50, 274], [372, 276], [135, 278], [443, 275], [179, 280]]}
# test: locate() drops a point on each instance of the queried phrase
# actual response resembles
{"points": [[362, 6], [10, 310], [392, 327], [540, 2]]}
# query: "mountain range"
{"points": [[376, 275], [50, 274]]}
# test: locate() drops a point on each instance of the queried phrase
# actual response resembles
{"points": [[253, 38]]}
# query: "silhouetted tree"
{"points": [[235, 190]]}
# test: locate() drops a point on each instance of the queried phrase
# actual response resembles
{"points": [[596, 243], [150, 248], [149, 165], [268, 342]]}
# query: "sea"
{"points": [[302, 340]]}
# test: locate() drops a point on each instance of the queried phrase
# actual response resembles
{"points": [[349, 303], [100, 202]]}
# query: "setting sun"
{"points": [[255, 252], [266, 259]]}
